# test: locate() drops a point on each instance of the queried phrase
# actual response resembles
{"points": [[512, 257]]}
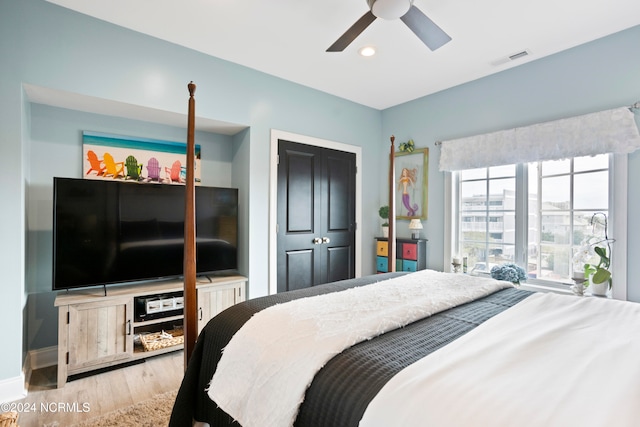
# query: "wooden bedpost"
{"points": [[392, 209], [190, 319]]}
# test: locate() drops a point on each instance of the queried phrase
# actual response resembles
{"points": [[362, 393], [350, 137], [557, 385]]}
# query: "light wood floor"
{"points": [[100, 393]]}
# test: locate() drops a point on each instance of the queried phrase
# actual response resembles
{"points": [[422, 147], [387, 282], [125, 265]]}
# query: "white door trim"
{"points": [[273, 196]]}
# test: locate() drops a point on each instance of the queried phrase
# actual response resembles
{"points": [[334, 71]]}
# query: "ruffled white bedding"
{"points": [[551, 360], [267, 366]]}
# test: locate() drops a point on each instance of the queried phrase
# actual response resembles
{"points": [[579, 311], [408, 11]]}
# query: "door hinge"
{"points": [[68, 317], [277, 159], [67, 357]]}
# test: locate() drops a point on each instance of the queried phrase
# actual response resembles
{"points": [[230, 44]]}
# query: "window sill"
{"points": [[544, 288], [540, 286], [550, 288]]}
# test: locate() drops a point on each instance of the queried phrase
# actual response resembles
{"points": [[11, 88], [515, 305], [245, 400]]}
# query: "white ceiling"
{"points": [[288, 38]]}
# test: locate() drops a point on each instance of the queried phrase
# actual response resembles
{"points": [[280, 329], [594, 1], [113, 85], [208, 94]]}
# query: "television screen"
{"points": [[107, 232]]}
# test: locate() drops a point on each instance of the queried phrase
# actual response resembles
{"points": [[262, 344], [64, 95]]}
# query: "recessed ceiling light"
{"points": [[367, 51]]}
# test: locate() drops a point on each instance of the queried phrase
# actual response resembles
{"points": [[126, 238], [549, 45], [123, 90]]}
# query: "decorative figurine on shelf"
{"points": [[578, 285], [456, 264]]}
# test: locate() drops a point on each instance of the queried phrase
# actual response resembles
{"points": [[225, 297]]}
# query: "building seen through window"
{"points": [[536, 215]]}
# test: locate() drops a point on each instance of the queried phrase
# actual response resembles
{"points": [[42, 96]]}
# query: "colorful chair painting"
{"points": [[173, 173], [97, 164], [133, 168], [114, 169], [153, 169]]}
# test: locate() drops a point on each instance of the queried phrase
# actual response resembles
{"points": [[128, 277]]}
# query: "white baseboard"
{"points": [[36, 359], [12, 389], [43, 357], [16, 388]]}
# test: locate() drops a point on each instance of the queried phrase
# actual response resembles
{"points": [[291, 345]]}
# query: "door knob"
{"points": [[325, 240], [317, 241]]}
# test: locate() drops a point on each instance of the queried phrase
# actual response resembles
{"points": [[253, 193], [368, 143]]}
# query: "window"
{"points": [[536, 214]]}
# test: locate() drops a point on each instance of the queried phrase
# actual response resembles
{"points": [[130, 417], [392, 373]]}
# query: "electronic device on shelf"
{"points": [[151, 307], [107, 232]]}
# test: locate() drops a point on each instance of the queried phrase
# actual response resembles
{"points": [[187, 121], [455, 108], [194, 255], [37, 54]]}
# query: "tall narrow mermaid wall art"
{"points": [[412, 184]]}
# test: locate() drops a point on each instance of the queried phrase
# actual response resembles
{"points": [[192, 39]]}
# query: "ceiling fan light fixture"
{"points": [[422, 26], [367, 51], [389, 9]]}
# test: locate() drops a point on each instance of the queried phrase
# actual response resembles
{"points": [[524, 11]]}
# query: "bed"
{"points": [[535, 374], [415, 349], [331, 392]]}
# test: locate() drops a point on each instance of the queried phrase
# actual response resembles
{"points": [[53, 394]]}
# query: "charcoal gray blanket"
{"points": [[341, 391]]}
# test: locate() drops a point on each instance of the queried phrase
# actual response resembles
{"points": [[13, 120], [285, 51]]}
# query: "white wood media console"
{"points": [[97, 331]]}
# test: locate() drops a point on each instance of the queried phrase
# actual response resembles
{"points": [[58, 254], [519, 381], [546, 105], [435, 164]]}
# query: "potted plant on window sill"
{"points": [[599, 275], [384, 214]]}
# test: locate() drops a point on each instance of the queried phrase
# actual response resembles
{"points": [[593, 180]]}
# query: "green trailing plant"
{"points": [[384, 214]]}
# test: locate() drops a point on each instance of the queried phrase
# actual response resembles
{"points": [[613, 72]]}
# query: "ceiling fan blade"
{"points": [[353, 32], [425, 28]]}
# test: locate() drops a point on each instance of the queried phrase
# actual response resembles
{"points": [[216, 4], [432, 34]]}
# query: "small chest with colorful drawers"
{"points": [[411, 255]]}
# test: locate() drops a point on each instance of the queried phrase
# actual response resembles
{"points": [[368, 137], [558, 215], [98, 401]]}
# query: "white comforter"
{"points": [[269, 363], [551, 360]]}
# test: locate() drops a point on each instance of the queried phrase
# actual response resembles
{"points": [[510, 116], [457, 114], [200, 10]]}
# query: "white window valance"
{"points": [[610, 131]]}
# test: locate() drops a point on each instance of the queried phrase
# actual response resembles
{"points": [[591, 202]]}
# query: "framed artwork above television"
{"points": [[136, 159]]}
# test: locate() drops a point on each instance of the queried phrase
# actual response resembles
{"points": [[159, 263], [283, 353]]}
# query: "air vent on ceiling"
{"points": [[518, 55], [511, 57]]}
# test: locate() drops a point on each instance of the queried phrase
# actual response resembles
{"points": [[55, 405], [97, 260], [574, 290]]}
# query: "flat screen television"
{"points": [[107, 232]]}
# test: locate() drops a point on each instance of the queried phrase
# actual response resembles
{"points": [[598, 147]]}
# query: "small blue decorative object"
{"points": [[510, 272]]}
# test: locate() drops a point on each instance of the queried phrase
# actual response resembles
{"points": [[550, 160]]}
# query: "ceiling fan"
{"points": [[418, 22]]}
